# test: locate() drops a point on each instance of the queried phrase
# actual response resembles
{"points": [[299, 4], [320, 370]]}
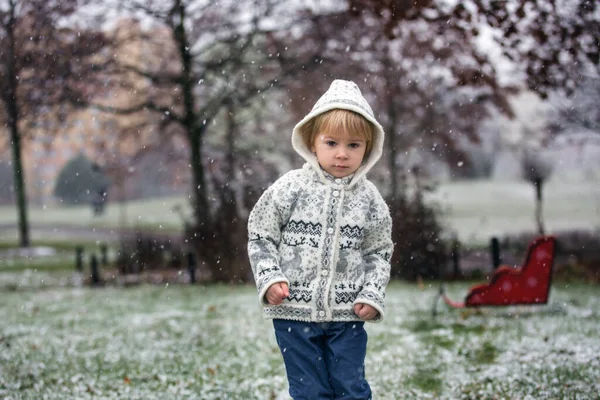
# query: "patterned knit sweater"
{"points": [[328, 238]]}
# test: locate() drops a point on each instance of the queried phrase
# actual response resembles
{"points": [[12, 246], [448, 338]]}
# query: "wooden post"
{"points": [[123, 261], [104, 254], [94, 270], [455, 258], [495, 252], [191, 267], [538, 183], [79, 258]]}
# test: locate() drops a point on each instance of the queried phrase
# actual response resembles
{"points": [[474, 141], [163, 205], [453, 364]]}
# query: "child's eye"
{"points": [[354, 145], [330, 143]]}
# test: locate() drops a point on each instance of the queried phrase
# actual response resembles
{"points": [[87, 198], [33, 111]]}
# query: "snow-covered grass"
{"points": [[475, 210], [196, 342], [159, 213]]}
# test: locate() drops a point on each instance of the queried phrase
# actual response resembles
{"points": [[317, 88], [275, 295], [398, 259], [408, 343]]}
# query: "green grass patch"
{"points": [[527, 381], [485, 353], [62, 259], [66, 245], [469, 329], [438, 341], [48, 266], [426, 379], [424, 325]]}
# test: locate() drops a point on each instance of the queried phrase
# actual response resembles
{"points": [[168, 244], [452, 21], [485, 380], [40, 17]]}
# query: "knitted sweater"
{"points": [[329, 239]]}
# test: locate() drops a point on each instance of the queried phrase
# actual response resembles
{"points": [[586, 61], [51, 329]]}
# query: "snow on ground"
{"points": [[475, 210], [195, 342]]}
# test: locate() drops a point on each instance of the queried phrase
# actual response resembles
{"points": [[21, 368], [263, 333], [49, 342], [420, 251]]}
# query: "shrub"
{"points": [[146, 251], [80, 182], [417, 234], [221, 244]]}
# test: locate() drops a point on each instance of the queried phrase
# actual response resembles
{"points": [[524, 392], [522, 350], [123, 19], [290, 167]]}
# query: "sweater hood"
{"points": [[347, 96]]}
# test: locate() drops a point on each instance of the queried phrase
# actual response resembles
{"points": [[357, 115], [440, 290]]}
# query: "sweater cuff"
{"points": [[265, 287], [373, 299]]}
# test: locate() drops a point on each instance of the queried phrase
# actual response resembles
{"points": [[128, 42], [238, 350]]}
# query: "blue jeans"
{"points": [[324, 360]]}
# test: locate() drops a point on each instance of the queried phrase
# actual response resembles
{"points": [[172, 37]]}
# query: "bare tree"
{"points": [[40, 61], [430, 83], [202, 57], [579, 112], [551, 42]]}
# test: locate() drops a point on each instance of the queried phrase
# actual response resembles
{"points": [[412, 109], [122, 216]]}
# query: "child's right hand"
{"points": [[277, 292]]}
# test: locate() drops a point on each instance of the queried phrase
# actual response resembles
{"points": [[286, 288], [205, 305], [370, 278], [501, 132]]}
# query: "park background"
{"points": [[138, 135]]}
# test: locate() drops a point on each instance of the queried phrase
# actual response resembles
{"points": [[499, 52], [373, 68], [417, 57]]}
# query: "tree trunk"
{"points": [[538, 184], [20, 195], [15, 136], [122, 207], [230, 138], [230, 264], [393, 149], [199, 201], [391, 129], [195, 131]]}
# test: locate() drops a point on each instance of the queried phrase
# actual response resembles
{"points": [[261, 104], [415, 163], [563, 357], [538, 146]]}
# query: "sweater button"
{"points": [[336, 193], [324, 272], [330, 230], [321, 313], [338, 180]]}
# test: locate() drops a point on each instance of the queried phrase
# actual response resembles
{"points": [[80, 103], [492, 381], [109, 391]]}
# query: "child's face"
{"points": [[339, 154]]}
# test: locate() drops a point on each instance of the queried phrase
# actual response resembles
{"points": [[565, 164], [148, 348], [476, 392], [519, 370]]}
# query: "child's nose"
{"points": [[342, 153]]}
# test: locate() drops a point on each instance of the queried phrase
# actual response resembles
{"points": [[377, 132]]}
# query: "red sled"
{"points": [[529, 284]]}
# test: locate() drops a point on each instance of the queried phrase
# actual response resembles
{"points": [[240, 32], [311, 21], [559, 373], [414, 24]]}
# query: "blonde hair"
{"points": [[350, 122]]}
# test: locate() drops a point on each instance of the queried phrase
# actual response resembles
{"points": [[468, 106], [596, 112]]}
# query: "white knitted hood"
{"points": [[345, 95]]}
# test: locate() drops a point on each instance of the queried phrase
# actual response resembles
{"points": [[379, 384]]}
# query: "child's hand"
{"points": [[365, 311], [277, 292]]}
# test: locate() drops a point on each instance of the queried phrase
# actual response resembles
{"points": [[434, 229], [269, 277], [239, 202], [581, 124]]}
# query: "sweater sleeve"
{"points": [[264, 234], [377, 254]]}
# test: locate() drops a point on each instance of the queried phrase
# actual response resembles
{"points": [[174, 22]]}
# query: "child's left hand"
{"points": [[365, 311]]}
